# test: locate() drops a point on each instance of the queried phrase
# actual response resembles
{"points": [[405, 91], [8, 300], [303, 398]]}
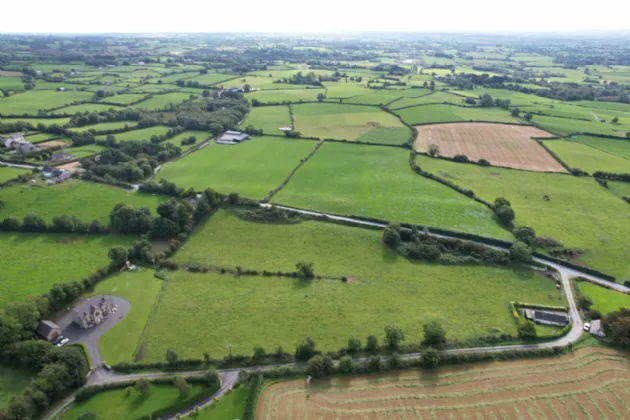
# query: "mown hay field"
{"points": [[617, 147], [252, 168], [85, 200], [589, 383], [384, 288], [31, 102], [587, 158], [41, 260], [425, 114], [580, 213], [269, 118], [349, 122], [377, 182], [500, 144]]}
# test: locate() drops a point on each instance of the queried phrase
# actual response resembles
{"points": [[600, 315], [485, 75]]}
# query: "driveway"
{"points": [[91, 336]]}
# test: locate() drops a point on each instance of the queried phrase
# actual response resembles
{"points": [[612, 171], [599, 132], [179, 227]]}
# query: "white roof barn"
{"points": [[232, 137]]}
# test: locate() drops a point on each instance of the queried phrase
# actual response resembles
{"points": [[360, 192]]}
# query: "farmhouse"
{"points": [[90, 314], [54, 175], [48, 330], [547, 318], [232, 137], [16, 142]]}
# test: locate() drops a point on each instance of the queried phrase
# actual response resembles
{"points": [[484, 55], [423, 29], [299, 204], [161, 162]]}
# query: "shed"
{"points": [[551, 318], [48, 330]]}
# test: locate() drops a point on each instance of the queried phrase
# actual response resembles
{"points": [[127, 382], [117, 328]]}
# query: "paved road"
{"points": [[229, 376], [16, 165]]}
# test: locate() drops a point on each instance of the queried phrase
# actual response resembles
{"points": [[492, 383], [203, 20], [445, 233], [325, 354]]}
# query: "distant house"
{"points": [[550, 318], [48, 330], [16, 142], [54, 175], [232, 137], [596, 328], [92, 313]]}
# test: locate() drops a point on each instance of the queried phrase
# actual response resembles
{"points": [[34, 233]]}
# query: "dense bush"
{"points": [[251, 399]]}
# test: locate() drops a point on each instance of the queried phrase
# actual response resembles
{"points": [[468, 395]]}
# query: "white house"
{"points": [[16, 142]]}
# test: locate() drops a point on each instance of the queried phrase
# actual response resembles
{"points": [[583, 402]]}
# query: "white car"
{"points": [[587, 326], [63, 342]]}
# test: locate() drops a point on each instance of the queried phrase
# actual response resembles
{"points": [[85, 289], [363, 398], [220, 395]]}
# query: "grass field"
{"points": [[40, 137], [344, 90], [212, 78], [7, 173], [587, 158], [114, 125], [377, 182], [73, 109], [269, 118], [252, 168], [349, 122], [200, 135], [41, 260], [449, 113], [116, 405], [229, 407], [566, 126], [433, 98], [604, 300], [385, 96], [271, 311], [285, 94], [589, 383], [140, 134], [12, 382], [621, 189], [141, 289], [85, 200], [161, 102], [35, 121], [580, 213], [11, 83], [617, 147], [125, 99], [83, 151], [31, 102]]}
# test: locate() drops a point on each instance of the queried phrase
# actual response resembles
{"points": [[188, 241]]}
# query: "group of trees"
{"points": [[616, 325], [60, 224], [214, 115]]}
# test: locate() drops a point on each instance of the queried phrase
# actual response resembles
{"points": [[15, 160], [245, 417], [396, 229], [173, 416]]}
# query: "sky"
{"points": [[320, 16]]}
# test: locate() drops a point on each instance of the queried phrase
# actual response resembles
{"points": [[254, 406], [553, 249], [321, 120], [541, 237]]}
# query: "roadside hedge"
{"points": [[251, 400]]}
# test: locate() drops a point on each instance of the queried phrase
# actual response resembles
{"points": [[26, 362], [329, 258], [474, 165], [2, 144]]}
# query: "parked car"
{"points": [[106, 366], [57, 340], [587, 326], [63, 342]]}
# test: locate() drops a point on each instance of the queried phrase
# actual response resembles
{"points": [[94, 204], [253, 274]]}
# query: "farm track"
{"points": [[229, 376]]}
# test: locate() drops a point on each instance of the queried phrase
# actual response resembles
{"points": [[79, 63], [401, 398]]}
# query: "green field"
{"points": [[580, 213], [35, 121], [288, 95], [124, 99], [617, 147], [229, 407], [32, 101], [587, 158], [449, 113], [257, 82], [271, 311], [140, 134], [252, 168], [141, 289], [152, 88], [433, 98], [200, 135], [161, 102], [85, 200], [212, 78], [269, 118], [613, 106], [106, 126], [83, 151], [621, 189], [385, 96], [40, 137], [349, 122], [604, 300], [116, 405], [344, 90], [377, 182], [73, 109], [7, 173], [12, 382], [566, 126], [11, 83], [41, 260]]}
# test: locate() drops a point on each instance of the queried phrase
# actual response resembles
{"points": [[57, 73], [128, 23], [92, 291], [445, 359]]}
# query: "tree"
{"points": [[505, 214], [434, 334], [211, 377], [306, 349], [171, 356], [373, 364], [34, 223], [395, 361], [247, 87], [354, 345], [526, 330], [434, 150], [20, 408], [391, 236], [118, 255], [346, 365], [520, 252], [371, 344], [628, 134], [393, 336], [486, 100], [617, 327], [516, 112], [305, 269], [525, 234], [319, 366], [143, 386], [181, 384], [430, 358], [500, 201], [614, 120], [259, 353], [528, 117], [320, 97], [205, 93]]}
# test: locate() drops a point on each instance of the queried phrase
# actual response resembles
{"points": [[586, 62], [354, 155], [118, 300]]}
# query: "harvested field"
{"points": [[589, 383], [500, 144], [53, 143], [10, 73]]}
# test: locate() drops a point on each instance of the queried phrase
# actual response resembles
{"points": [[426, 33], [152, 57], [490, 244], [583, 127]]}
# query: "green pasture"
{"points": [[566, 126], [269, 118], [12, 382], [30, 102], [604, 300], [152, 88], [288, 73], [84, 151], [285, 95], [124, 99], [11, 83], [229, 407], [119, 344], [212, 78], [611, 106], [173, 78], [377, 182], [85, 200], [384, 289], [35, 121], [580, 213], [40, 137], [437, 97], [40, 260], [161, 102], [385, 96], [7, 173], [117, 405], [617, 147], [140, 134], [252, 168], [622, 189], [587, 158], [106, 126], [426, 114], [349, 122], [516, 98], [257, 82], [336, 90], [73, 109], [200, 135]]}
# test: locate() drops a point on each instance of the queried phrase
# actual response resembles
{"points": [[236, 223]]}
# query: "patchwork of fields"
{"points": [[427, 114]]}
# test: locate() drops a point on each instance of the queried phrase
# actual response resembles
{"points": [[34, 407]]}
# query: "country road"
{"points": [[16, 165], [229, 376]]}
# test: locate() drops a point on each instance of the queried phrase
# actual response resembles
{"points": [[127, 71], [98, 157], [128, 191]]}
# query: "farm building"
{"points": [[547, 318], [48, 330], [232, 137], [16, 141], [54, 175], [92, 312]]}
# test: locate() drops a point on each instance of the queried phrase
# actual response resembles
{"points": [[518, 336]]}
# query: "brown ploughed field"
{"points": [[588, 383], [52, 143], [500, 144]]}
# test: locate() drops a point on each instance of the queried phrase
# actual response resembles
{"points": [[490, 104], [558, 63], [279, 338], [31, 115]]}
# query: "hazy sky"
{"points": [[79, 16]]}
